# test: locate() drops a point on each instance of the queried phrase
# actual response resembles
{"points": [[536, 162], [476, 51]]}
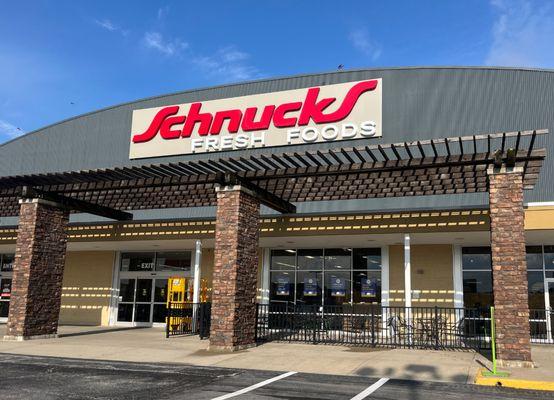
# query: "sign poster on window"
{"points": [[6, 290], [283, 284], [338, 287], [369, 287], [310, 286]]}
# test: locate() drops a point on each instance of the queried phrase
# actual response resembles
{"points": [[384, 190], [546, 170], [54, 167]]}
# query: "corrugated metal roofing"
{"points": [[418, 103]]}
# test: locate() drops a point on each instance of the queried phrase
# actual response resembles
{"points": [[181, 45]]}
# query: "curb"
{"points": [[512, 383]]}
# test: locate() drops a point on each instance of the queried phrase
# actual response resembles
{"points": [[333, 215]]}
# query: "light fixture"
{"points": [[290, 251]]}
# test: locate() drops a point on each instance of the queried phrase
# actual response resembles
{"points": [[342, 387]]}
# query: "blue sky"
{"points": [[59, 59]]}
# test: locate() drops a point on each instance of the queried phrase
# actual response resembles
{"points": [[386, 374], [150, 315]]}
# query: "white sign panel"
{"points": [[343, 111]]}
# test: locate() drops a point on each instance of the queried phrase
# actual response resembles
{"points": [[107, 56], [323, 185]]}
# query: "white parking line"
{"points": [[371, 389], [257, 385]]}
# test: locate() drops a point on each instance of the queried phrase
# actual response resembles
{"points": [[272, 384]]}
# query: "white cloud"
{"points": [[110, 26], [361, 40], [228, 63], [156, 41], [9, 131], [523, 33]]}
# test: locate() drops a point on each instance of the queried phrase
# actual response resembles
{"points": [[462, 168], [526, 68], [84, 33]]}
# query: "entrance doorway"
{"points": [[6, 271], [143, 278]]}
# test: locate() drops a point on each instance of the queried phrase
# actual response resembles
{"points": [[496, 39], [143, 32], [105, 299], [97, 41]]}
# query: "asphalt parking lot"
{"points": [[29, 377]]}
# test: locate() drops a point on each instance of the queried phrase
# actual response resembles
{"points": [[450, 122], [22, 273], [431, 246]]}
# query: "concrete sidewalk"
{"points": [[150, 345]]}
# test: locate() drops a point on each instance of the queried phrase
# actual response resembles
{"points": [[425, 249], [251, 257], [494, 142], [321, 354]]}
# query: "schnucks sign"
{"points": [[319, 114]]}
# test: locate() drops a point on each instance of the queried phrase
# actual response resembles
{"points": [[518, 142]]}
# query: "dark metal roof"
{"points": [[424, 167], [418, 103]]}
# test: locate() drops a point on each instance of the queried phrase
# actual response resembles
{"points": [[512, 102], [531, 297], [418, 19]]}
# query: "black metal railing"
{"points": [[188, 319], [541, 324], [374, 325]]}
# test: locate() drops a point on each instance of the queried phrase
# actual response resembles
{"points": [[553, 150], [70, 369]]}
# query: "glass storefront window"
{"points": [[334, 276], [160, 291], [367, 287], [160, 312], [144, 290], [535, 283], [175, 261], [476, 258], [367, 259], [126, 290], [534, 257], [308, 287], [7, 262], [549, 257], [477, 289], [338, 259], [137, 262], [310, 259], [282, 286], [283, 259], [337, 288]]}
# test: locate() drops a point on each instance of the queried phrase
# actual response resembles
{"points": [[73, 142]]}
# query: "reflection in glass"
{"points": [[549, 257], [137, 261], [144, 290], [175, 261], [536, 289], [7, 262], [283, 259], [160, 312], [476, 258], [534, 257], [125, 312], [142, 312], [338, 259], [310, 259], [160, 291], [477, 289], [368, 259], [127, 290]]}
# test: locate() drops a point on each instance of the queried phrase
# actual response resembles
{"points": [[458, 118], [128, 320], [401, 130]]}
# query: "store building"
{"points": [[399, 187]]}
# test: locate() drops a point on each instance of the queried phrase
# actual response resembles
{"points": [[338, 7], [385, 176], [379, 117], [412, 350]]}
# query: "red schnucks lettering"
{"points": [[279, 118], [234, 117], [195, 116], [248, 123], [311, 109], [165, 130], [155, 125], [314, 110]]}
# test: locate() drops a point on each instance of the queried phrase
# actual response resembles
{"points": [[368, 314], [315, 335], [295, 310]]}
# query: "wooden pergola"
{"points": [[427, 167]]}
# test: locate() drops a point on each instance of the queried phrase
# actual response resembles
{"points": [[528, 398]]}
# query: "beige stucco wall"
{"points": [[432, 275], [86, 289]]}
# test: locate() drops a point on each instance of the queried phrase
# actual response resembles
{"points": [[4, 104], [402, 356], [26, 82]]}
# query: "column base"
{"points": [[515, 364], [229, 349], [12, 338]]}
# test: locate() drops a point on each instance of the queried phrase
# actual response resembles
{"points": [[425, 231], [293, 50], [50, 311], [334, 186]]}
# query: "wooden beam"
{"points": [[28, 192]]}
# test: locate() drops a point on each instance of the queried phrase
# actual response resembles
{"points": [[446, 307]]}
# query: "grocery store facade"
{"points": [[410, 187]]}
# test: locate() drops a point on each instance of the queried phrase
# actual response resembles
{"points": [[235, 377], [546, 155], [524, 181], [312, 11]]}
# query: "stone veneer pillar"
{"points": [[38, 270], [233, 320], [509, 265]]}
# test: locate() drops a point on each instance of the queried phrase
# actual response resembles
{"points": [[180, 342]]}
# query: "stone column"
{"points": [[233, 321], [509, 265], [38, 270]]}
